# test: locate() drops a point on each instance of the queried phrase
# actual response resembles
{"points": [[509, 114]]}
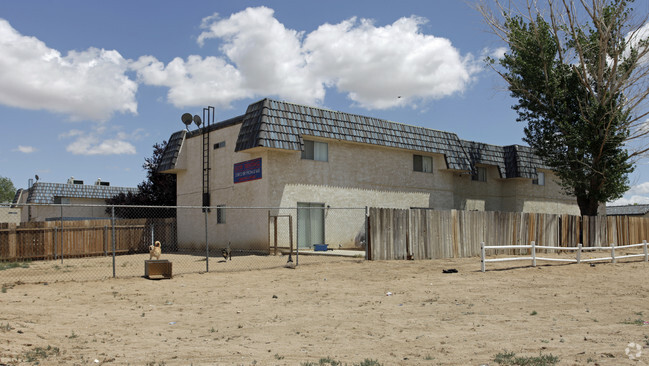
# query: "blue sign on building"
{"points": [[246, 171]]}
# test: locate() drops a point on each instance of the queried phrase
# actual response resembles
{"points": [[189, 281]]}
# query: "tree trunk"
{"points": [[588, 205]]}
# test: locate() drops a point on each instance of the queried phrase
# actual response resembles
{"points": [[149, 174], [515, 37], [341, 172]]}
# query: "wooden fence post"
{"points": [[533, 254], [578, 253], [482, 255], [612, 252]]}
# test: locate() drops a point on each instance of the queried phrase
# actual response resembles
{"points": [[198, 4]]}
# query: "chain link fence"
{"points": [[41, 243]]}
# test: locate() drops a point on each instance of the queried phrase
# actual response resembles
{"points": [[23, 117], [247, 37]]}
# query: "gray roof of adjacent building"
{"points": [[281, 125], [42, 192], [628, 210]]}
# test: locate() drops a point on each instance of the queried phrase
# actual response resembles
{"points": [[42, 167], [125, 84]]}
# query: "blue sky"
{"points": [[86, 88]]}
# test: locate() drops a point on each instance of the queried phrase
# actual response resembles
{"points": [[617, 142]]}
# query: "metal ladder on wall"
{"points": [[206, 154]]}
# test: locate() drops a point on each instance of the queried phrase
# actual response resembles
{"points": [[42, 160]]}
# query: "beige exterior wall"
{"points": [[10, 214], [355, 175], [35, 212]]}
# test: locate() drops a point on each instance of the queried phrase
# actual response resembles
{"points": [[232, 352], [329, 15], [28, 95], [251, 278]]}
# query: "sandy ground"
{"points": [[397, 313]]}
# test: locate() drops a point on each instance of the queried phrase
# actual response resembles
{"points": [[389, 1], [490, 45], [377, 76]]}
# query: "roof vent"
{"points": [[100, 183]]}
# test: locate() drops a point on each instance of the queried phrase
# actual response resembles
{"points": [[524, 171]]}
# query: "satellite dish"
{"points": [[187, 119], [197, 120], [36, 176]]}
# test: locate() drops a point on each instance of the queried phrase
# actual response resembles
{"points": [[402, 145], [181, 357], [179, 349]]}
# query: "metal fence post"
{"points": [[61, 236], [207, 245], [297, 231], [112, 221], [367, 232], [56, 242], [646, 253]]}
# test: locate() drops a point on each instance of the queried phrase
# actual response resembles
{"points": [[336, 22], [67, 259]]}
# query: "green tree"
{"points": [[157, 190], [578, 71], [7, 190]]}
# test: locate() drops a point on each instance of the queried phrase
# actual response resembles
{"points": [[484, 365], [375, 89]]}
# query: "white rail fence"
{"points": [[579, 249]]}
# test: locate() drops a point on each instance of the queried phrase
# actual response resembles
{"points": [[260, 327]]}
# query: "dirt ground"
{"points": [[396, 312]]}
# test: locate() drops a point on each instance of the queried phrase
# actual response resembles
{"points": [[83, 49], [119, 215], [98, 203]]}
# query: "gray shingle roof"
{"points": [[627, 210], [42, 192], [175, 143], [170, 155], [281, 125]]}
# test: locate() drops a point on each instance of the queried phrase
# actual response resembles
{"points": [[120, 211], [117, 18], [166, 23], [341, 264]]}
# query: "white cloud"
{"points": [[638, 39], [374, 65], [89, 84], [25, 149], [637, 194], [91, 143], [495, 54], [635, 199], [259, 56]]}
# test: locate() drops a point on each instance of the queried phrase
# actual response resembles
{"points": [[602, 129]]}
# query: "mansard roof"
{"points": [[281, 125]]}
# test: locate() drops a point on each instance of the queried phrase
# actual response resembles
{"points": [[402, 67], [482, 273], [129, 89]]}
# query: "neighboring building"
{"points": [[36, 200], [629, 210], [285, 155]]}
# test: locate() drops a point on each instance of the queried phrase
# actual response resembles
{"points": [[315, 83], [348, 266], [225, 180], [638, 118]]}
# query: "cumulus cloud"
{"points": [[259, 56], [25, 149], [637, 194], [92, 143], [632, 200], [638, 39], [89, 84], [374, 65]]}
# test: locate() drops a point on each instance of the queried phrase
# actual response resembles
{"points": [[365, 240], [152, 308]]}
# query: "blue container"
{"points": [[320, 247]]}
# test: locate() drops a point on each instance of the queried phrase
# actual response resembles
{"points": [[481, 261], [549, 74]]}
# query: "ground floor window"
{"points": [[220, 214]]}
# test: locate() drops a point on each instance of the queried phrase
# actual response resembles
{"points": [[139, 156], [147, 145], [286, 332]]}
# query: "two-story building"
{"points": [[286, 155]]}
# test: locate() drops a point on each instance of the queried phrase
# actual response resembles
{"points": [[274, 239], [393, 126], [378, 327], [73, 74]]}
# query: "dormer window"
{"points": [[422, 163], [315, 150]]}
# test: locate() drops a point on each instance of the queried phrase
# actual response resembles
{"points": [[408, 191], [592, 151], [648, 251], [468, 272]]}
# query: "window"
{"points": [[314, 150], [540, 179], [422, 163], [219, 145], [480, 174], [62, 200], [220, 214]]}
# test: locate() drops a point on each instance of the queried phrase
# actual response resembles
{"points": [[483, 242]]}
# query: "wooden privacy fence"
{"points": [[433, 234], [51, 240], [579, 249]]}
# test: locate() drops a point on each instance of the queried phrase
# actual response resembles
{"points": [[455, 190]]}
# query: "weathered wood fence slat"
{"points": [[433, 234], [51, 240]]}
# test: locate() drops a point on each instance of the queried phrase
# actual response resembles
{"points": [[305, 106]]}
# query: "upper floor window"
{"points": [[422, 163], [540, 179], [315, 150], [480, 174]]}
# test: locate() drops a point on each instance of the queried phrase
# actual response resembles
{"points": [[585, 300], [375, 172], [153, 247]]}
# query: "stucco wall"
{"points": [[242, 228], [10, 214], [96, 209], [355, 175]]}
